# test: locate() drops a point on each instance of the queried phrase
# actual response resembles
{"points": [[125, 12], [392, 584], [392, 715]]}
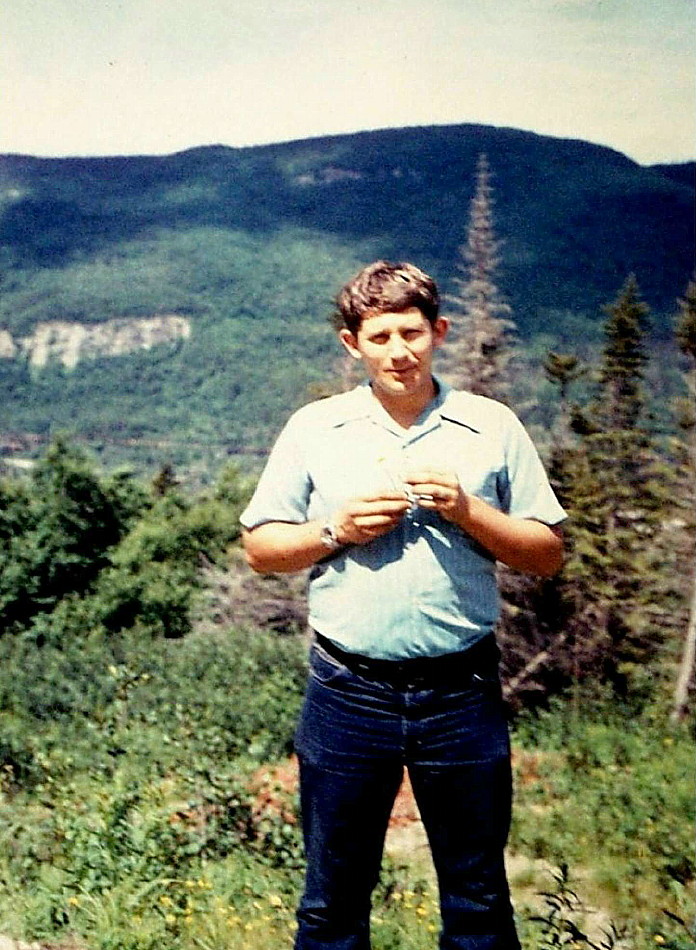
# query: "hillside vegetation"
{"points": [[142, 722], [249, 245]]}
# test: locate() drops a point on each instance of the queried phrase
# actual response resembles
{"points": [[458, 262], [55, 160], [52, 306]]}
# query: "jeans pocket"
{"points": [[324, 668]]}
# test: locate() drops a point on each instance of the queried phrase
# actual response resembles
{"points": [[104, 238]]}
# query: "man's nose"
{"points": [[398, 348]]}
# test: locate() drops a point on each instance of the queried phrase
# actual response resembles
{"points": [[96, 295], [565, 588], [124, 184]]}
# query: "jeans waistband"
{"points": [[482, 657]]}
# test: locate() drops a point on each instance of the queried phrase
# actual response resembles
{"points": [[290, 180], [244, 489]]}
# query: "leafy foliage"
{"points": [[76, 546]]}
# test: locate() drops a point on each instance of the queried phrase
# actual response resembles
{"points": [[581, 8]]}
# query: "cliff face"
{"points": [[69, 343]]}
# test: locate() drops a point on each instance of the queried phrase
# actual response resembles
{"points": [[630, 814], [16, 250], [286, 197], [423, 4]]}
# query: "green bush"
{"points": [[610, 793]]}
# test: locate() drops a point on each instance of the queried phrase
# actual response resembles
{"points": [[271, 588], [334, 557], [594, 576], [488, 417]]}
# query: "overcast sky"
{"points": [[106, 77]]}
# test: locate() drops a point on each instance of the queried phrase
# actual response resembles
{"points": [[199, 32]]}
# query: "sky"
{"points": [[126, 77]]}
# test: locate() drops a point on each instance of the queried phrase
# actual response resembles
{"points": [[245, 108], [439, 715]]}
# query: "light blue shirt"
{"points": [[426, 588]]}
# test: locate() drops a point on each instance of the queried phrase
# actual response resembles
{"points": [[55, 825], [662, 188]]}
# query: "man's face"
{"points": [[397, 351]]}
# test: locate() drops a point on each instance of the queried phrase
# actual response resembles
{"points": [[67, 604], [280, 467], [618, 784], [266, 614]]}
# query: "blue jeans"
{"points": [[354, 737]]}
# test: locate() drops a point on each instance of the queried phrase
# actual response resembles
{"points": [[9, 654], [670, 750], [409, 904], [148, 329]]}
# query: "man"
{"points": [[401, 496]]}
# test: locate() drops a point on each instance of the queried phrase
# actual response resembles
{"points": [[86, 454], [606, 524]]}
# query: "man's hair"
{"points": [[384, 287]]}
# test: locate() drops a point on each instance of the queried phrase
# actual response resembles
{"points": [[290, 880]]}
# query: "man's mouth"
{"points": [[406, 371]]}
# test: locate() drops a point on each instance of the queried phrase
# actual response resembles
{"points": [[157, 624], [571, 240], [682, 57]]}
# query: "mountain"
{"points": [[248, 245]]}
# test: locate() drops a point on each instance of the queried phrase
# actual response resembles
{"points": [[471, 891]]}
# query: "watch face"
{"points": [[328, 537]]}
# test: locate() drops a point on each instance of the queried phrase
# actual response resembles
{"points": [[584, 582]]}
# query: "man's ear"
{"points": [[440, 329], [350, 343]]}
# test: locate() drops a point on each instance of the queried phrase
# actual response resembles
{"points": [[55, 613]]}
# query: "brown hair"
{"points": [[383, 287]]}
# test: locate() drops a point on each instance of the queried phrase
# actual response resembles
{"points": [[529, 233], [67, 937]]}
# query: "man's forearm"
{"points": [[281, 548], [521, 543]]}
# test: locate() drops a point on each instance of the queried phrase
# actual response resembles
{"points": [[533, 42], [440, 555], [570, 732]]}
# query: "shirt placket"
{"points": [[414, 567]]}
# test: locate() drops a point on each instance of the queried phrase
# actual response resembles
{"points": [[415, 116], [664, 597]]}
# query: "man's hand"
{"points": [[521, 543], [438, 491], [364, 519]]}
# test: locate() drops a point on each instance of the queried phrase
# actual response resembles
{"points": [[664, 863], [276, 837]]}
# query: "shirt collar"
{"points": [[449, 404]]}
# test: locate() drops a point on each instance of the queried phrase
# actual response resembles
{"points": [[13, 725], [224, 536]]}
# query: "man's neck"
{"points": [[403, 409]]}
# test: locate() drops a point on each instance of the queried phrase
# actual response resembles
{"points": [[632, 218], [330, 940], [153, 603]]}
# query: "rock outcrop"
{"points": [[68, 343]]}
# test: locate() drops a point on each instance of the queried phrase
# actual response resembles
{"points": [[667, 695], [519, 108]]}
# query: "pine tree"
{"points": [[617, 497], [611, 608], [622, 401], [686, 340], [477, 356]]}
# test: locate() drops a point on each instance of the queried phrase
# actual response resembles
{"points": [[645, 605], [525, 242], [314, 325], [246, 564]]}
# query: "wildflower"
{"points": [[165, 900], [275, 900], [421, 911], [659, 939], [74, 901]]}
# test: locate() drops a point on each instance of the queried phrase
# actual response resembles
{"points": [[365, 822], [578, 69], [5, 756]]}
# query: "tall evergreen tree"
{"points": [[478, 353], [612, 606], [622, 401], [686, 340], [617, 497]]}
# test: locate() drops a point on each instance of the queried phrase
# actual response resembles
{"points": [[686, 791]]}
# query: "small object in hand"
{"points": [[411, 497], [424, 496]]}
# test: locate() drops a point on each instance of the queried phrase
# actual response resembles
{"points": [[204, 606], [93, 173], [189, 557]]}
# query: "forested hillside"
{"points": [[249, 245]]}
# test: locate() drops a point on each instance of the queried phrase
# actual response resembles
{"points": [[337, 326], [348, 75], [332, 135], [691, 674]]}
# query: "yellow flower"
{"points": [[74, 901], [658, 938]]}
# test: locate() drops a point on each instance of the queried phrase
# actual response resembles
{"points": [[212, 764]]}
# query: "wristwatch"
{"points": [[328, 536]]}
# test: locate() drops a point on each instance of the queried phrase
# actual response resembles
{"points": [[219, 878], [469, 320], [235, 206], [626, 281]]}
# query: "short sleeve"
{"points": [[283, 491], [526, 492]]}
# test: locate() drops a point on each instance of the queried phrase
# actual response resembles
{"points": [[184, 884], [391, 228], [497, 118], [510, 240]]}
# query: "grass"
{"points": [[128, 817]]}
